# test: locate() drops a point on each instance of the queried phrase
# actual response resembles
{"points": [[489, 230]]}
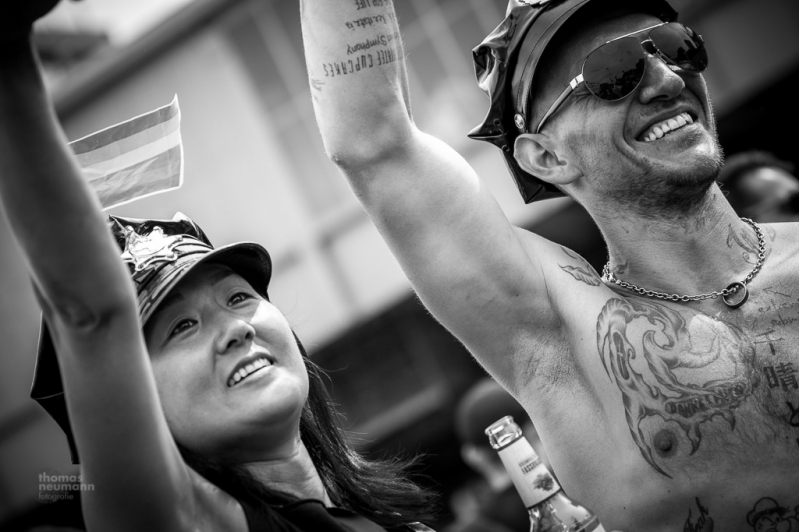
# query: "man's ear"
{"points": [[538, 155]]}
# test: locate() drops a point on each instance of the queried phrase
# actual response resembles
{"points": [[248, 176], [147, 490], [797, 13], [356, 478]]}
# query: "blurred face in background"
{"points": [[766, 195]]}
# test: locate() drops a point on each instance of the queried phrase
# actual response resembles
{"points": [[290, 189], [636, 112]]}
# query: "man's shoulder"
{"points": [[783, 244], [778, 230]]}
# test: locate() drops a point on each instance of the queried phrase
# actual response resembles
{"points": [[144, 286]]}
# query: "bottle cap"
{"points": [[503, 432]]}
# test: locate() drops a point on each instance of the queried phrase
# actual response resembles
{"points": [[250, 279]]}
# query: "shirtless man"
{"points": [[660, 415]]}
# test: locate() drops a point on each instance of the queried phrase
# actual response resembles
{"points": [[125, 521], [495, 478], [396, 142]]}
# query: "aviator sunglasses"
{"points": [[615, 69]]}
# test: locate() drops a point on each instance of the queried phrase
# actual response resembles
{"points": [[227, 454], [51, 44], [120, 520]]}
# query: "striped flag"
{"points": [[134, 159]]}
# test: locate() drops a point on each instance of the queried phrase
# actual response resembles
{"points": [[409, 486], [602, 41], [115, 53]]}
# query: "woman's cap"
{"points": [[159, 253], [505, 64]]}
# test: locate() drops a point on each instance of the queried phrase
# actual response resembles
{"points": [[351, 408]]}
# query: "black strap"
{"points": [[305, 516]]}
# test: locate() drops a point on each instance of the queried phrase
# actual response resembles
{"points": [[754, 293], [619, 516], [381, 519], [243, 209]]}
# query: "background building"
{"points": [[256, 170]]}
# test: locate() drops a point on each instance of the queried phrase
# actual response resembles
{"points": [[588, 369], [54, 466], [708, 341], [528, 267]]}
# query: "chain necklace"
{"points": [[737, 286]]}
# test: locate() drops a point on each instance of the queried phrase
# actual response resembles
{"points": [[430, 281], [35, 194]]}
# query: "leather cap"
{"points": [[159, 253], [505, 64]]}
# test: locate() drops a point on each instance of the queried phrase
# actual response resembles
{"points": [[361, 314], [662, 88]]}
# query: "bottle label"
{"points": [[531, 477]]}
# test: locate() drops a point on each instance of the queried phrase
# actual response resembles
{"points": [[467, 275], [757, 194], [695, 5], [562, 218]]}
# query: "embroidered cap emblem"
{"points": [[144, 251]]}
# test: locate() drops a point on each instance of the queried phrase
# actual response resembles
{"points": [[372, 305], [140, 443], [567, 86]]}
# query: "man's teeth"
{"points": [[246, 371], [659, 130]]}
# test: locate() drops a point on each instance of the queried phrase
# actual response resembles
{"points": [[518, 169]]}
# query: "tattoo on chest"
{"points": [[685, 372], [767, 516], [768, 338], [783, 375], [793, 416], [703, 523]]}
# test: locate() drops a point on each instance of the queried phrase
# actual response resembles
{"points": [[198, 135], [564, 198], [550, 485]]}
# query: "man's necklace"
{"points": [[734, 288]]}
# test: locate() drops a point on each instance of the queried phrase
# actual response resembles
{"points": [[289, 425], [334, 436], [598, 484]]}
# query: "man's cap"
{"points": [[505, 64], [159, 253], [483, 404]]}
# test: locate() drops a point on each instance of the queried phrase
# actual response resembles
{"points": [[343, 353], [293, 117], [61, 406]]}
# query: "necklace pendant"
{"points": [[737, 298]]}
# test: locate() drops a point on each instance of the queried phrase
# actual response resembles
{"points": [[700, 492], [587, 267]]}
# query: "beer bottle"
{"points": [[549, 508]]}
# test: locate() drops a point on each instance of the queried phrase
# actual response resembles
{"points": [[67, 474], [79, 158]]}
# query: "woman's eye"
{"points": [[238, 297], [181, 326]]}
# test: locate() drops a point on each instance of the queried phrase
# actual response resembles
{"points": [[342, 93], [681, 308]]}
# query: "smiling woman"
{"points": [[185, 393]]}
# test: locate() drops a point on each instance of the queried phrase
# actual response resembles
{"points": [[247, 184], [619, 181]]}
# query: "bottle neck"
{"points": [[531, 477]]}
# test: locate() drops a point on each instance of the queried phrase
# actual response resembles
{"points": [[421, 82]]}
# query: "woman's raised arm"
{"points": [[139, 479]]}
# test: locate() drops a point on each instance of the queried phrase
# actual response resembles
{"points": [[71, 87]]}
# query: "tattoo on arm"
{"points": [[703, 523], [375, 49], [359, 62], [316, 84], [585, 275], [581, 275], [364, 4], [370, 21]]}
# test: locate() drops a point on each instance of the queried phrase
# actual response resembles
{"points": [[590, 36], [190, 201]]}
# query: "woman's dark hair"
{"points": [[380, 490]]}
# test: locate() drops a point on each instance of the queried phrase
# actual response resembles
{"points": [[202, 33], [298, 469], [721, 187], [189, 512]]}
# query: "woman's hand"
{"points": [[17, 17]]}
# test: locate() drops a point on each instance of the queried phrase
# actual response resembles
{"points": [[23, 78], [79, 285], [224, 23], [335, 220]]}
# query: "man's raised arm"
{"points": [[477, 274]]}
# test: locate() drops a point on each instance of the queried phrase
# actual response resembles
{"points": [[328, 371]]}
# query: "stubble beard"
{"points": [[654, 191]]}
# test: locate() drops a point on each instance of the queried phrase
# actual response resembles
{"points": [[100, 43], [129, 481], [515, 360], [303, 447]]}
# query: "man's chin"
{"points": [[666, 190], [682, 158], [696, 162]]}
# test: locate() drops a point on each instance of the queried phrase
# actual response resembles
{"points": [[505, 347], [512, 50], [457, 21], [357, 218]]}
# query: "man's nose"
{"points": [[660, 82], [235, 332]]}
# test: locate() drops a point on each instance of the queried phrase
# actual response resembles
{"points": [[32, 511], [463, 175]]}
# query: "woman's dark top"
{"points": [[311, 515]]}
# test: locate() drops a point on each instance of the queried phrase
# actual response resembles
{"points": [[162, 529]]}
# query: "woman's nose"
{"points": [[236, 332]]}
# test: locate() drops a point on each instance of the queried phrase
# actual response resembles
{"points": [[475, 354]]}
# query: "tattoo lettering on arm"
{"points": [[648, 349], [377, 40], [368, 22], [768, 515], [365, 4], [703, 523], [583, 274], [382, 44], [358, 63]]}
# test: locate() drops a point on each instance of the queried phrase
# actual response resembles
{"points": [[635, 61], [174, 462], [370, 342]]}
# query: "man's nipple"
{"points": [[666, 443]]}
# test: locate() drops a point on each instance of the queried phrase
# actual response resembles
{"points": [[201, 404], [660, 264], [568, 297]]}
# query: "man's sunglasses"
{"points": [[614, 70]]}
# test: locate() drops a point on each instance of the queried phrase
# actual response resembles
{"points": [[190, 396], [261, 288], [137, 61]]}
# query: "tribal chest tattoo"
{"points": [[682, 367]]}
